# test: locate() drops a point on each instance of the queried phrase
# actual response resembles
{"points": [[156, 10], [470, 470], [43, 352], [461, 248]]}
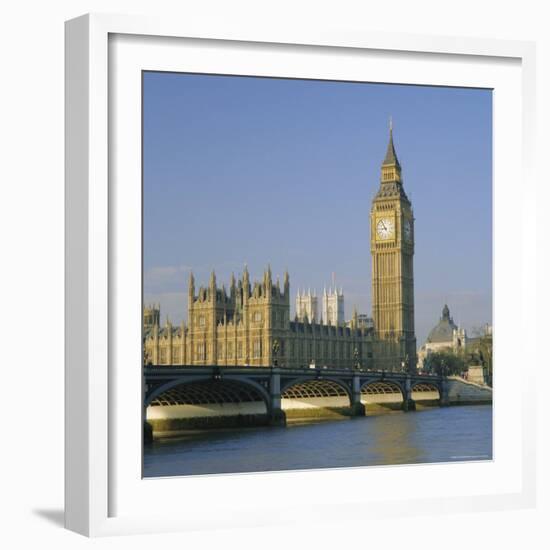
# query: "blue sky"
{"points": [[256, 170]]}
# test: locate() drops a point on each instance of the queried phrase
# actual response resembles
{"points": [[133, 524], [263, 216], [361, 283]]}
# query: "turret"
{"points": [[212, 286], [268, 281], [286, 284], [191, 289], [232, 286], [246, 283], [151, 316]]}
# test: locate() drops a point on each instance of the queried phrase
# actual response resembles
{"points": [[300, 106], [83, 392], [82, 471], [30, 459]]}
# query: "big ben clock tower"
{"points": [[392, 249]]}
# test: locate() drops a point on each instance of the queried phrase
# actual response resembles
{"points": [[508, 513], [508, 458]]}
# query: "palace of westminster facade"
{"points": [[250, 323]]}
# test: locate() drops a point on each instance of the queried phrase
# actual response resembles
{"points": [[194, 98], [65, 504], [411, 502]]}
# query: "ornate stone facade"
{"points": [[250, 325]]}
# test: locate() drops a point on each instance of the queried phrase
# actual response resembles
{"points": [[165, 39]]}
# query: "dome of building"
{"points": [[443, 331]]}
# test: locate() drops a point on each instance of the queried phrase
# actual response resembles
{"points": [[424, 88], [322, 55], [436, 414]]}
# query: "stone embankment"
{"points": [[463, 392]]}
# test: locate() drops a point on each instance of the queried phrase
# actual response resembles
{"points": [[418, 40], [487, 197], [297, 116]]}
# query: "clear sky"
{"points": [[255, 170]]}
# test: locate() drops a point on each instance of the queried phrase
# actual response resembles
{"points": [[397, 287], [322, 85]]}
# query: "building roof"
{"points": [[391, 156], [443, 331]]}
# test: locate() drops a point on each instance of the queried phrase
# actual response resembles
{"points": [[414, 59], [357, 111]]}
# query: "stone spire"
{"points": [[232, 286], [268, 278], [391, 156], [391, 180], [246, 283], [191, 284], [286, 283], [212, 287]]}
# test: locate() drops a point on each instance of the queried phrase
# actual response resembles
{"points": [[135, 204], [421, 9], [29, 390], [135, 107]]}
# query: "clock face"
{"points": [[407, 230], [384, 228]]}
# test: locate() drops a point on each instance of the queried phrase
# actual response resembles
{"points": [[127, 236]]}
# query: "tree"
{"points": [[484, 349], [481, 348], [445, 362]]}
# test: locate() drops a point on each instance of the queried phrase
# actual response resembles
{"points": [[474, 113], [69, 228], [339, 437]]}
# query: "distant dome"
{"points": [[443, 331]]}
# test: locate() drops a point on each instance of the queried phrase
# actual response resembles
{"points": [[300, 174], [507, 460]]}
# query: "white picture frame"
{"points": [[103, 495]]}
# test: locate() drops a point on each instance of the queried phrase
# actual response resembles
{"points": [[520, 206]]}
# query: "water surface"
{"points": [[432, 435]]}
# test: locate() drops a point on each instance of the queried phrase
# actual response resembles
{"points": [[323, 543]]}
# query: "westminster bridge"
{"points": [[271, 386]]}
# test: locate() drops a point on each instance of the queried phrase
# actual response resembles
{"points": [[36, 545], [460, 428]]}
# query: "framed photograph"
{"points": [[289, 273]]}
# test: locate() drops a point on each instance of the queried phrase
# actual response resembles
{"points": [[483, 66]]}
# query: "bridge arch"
{"points": [[301, 388], [315, 397], [383, 390], [425, 391], [382, 386], [205, 389]]}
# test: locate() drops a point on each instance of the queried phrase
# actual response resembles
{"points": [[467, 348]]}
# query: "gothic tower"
{"points": [[392, 249], [306, 306], [333, 307]]}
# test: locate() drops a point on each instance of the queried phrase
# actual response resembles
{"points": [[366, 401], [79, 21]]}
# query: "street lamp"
{"points": [[356, 357], [275, 349]]}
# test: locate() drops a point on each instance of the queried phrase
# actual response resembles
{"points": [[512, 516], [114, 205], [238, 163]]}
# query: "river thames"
{"points": [[447, 434]]}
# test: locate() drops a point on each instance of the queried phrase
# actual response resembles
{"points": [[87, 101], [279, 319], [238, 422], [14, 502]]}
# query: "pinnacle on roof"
{"points": [[391, 156]]}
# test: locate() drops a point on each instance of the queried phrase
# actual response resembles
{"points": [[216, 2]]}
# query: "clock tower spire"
{"points": [[392, 250]]}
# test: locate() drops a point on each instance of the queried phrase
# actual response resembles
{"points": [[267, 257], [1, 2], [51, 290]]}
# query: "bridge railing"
{"points": [[304, 369]]}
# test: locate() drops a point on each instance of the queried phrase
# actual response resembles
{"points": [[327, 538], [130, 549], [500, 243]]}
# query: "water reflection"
{"points": [[396, 442]]}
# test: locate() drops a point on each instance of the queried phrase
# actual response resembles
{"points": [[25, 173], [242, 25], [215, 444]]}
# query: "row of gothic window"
{"points": [[303, 349], [278, 318]]}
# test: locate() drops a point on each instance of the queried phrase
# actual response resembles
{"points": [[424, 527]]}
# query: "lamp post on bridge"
{"points": [[357, 408], [275, 349], [357, 363], [277, 416]]}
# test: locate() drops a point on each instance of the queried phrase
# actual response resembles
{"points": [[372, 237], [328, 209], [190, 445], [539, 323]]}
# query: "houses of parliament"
{"points": [[250, 322]]}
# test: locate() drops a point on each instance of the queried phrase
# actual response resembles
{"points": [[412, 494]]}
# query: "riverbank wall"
{"points": [[464, 392]]}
